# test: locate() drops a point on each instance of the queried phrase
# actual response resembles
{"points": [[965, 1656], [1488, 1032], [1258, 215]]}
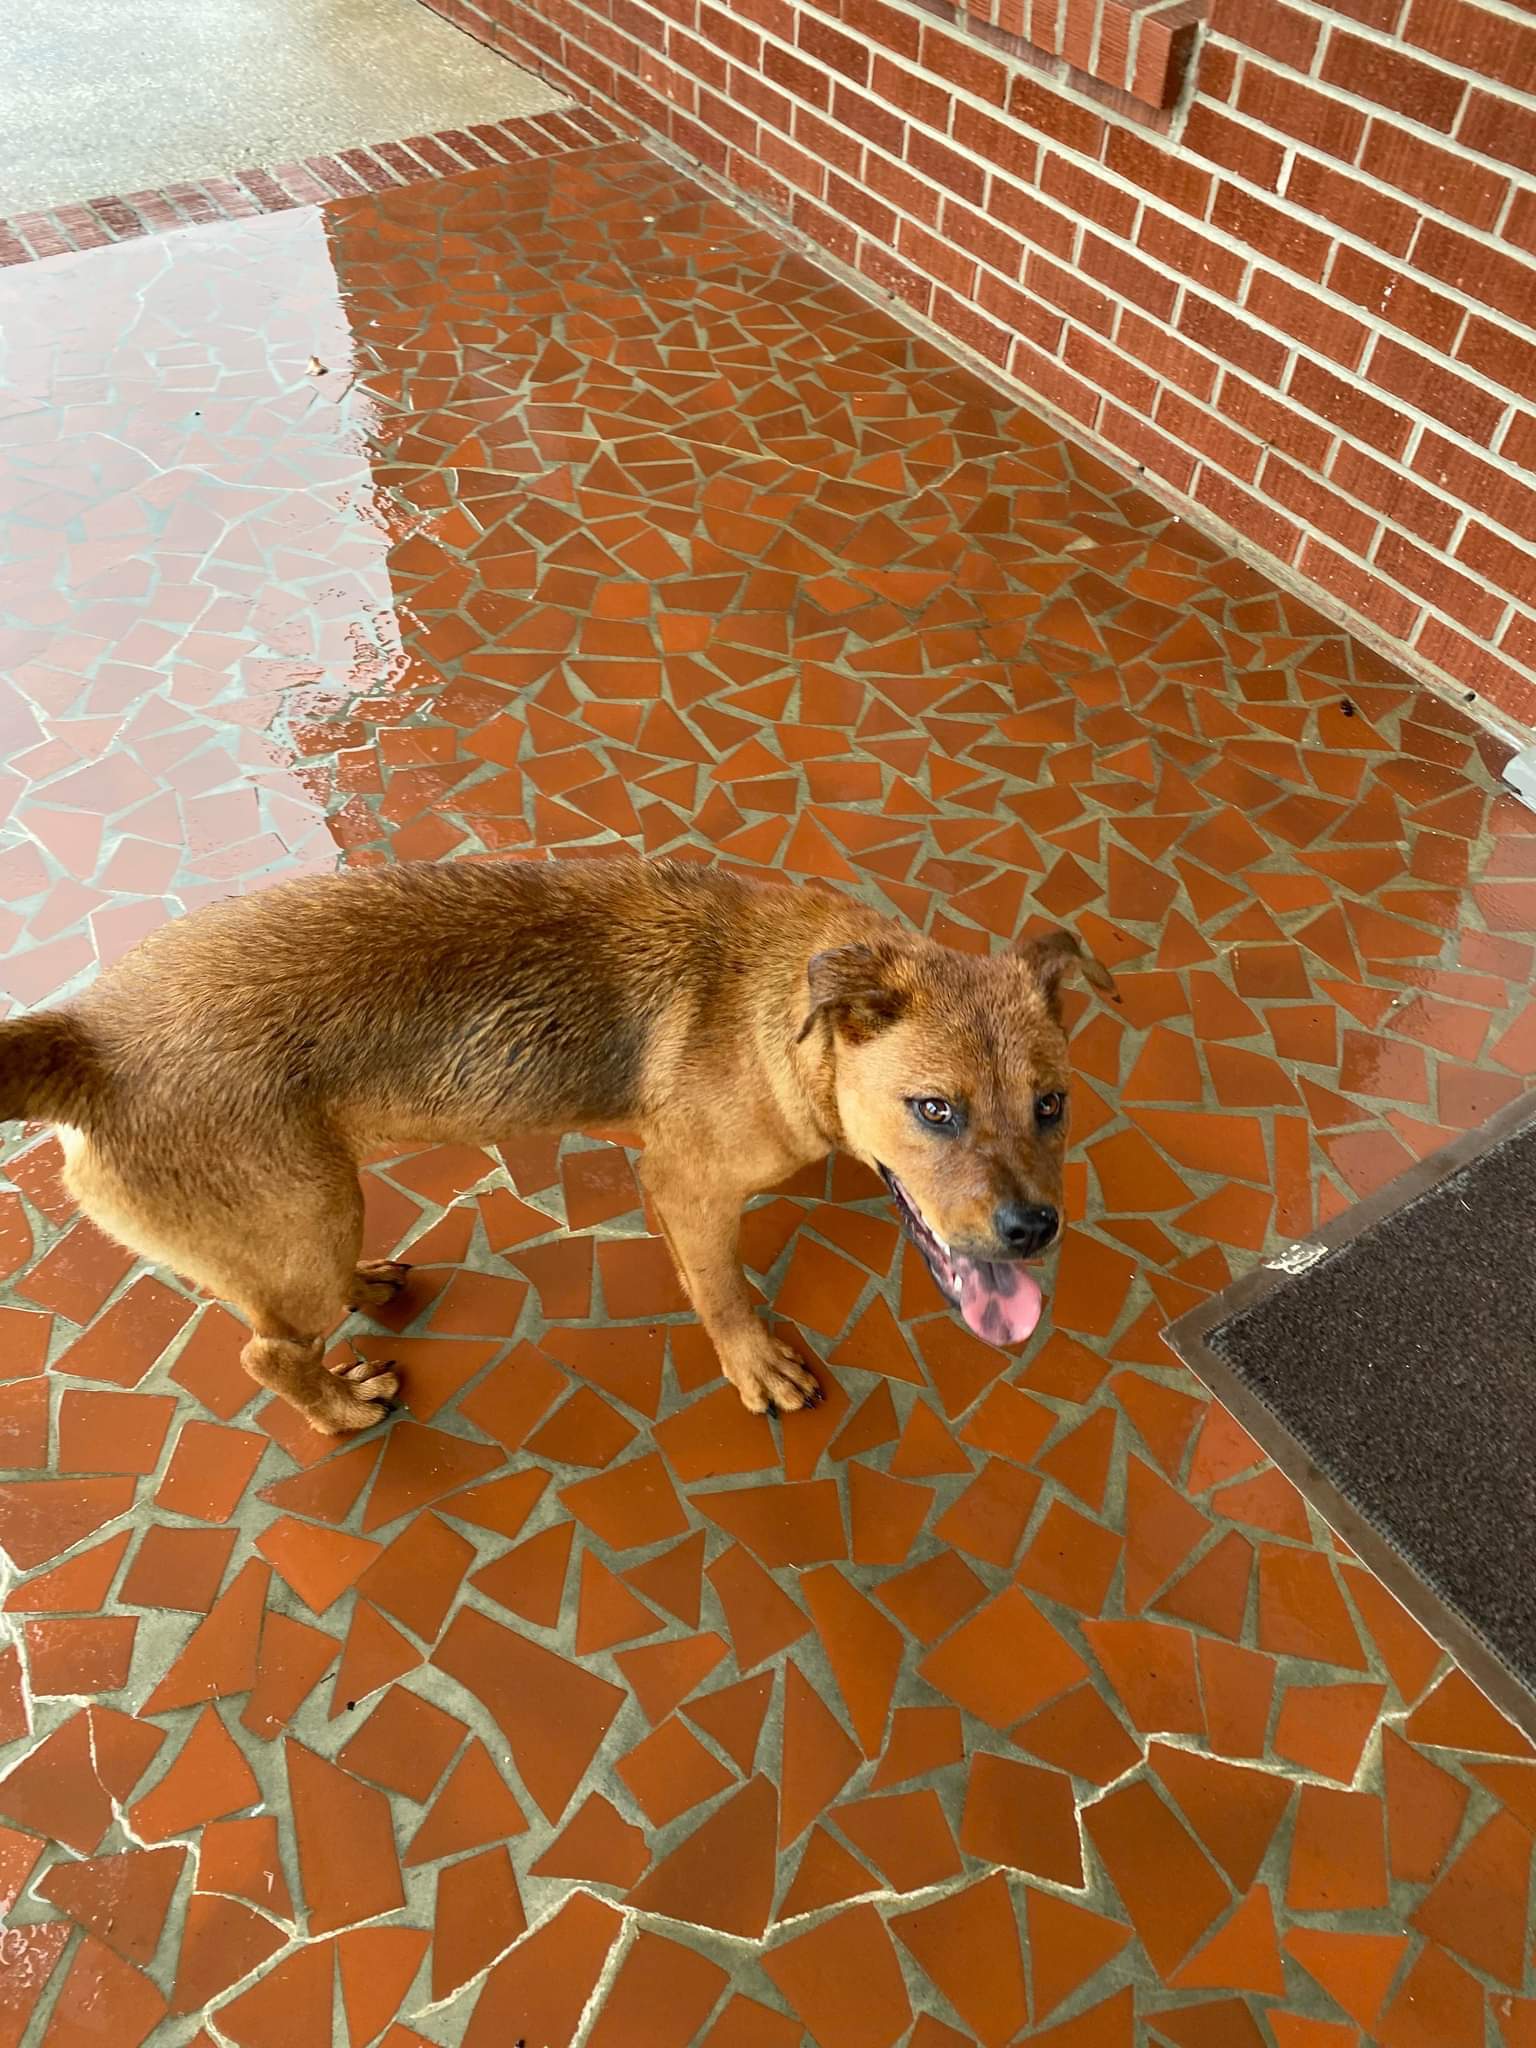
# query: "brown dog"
{"points": [[216, 1089]]}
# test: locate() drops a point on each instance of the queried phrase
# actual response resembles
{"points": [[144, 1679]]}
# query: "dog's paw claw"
{"points": [[772, 1379]]}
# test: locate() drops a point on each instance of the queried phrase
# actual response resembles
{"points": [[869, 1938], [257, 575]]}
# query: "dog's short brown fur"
{"points": [[217, 1088]]}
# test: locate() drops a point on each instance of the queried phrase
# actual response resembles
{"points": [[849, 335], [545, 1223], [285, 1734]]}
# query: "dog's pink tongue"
{"points": [[1001, 1303]]}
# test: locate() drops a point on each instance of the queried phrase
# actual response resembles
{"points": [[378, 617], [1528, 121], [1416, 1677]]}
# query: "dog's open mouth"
{"points": [[998, 1299]]}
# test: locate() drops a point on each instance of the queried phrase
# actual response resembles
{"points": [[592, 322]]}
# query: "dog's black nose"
{"points": [[1025, 1227]]}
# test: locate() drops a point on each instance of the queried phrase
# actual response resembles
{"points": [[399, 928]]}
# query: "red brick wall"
{"points": [[1280, 258]]}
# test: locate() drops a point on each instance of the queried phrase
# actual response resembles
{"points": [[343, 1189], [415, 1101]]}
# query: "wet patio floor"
{"points": [[1004, 1697]]}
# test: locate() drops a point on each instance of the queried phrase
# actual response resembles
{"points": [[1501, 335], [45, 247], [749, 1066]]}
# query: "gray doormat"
{"points": [[1388, 1365]]}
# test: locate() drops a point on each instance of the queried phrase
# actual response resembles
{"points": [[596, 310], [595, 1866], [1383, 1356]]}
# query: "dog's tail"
{"points": [[47, 1069]]}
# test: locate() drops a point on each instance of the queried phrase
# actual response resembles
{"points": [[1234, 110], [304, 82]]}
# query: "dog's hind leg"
{"points": [[700, 1220], [286, 1257]]}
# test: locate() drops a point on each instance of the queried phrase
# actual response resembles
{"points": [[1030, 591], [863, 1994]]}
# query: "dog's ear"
{"points": [[1054, 955], [852, 986]]}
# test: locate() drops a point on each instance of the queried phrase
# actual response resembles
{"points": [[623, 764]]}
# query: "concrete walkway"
{"points": [[106, 98]]}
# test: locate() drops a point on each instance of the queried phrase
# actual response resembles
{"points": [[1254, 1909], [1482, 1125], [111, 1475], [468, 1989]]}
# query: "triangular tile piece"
{"points": [[121, 1899], [474, 1807], [817, 1757], [375, 1654], [553, 1713], [927, 1447], [968, 1943], [539, 1991], [319, 1564], [734, 1717], [221, 1654], [722, 1875], [827, 1875], [864, 1649], [208, 1778], [288, 2008], [500, 1505], [675, 1579], [78, 1586], [760, 1615], [1354, 1969], [223, 1941], [663, 1674], [530, 1580], [608, 1612], [327, 1492], [1241, 1956], [1067, 1944], [377, 1965], [596, 1845], [421, 1465]]}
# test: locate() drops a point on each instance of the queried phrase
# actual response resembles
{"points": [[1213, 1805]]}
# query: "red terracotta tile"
{"points": [[79, 1654], [1067, 1946], [1325, 1728], [1004, 1662], [1169, 1889], [177, 1567], [1078, 1733], [530, 1579], [474, 1806], [416, 1577], [1456, 1716], [240, 1858], [1480, 1907], [99, 1982], [543, 1986], [405, 1744], [479, 1914], [1019, 1815], [376, 1966], [1301, 1610], [904, 1836], [1337, 1854], [222, 1942], [31, 1954], [1151, 1669], [120, 1899], [663, 1993], [553, 1714], [39, 1518], [923, 1741], [293, 1660], [721, 1875], [968, 1944], [419, 1466], [121, 1345], [844, 1981], [663, 1674], [1355, 1969], [597, 1844], [1437, 2002], [206, 1778], [348, 1867], [209, 1469], [760, 1616], [290, 2007]]}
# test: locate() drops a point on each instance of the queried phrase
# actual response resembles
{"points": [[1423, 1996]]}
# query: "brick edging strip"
{"points": [[122, 217]]}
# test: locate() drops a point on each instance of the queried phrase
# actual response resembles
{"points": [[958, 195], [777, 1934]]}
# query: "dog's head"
{"points": [[951, 1081]]}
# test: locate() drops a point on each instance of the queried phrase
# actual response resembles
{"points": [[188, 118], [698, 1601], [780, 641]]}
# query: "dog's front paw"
{"points": [[769, 1376], [358, 1396]]}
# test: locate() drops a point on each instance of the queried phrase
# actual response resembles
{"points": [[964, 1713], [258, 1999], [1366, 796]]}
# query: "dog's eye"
{"points": [[1050, 1107], [934, 1110]]}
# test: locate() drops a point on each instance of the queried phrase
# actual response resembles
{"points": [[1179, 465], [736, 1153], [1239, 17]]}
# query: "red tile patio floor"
{"points": [[1000, 1698]]}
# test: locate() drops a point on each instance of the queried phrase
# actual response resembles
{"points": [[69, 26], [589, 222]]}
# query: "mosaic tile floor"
{"points": [[1002, 1697]]}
